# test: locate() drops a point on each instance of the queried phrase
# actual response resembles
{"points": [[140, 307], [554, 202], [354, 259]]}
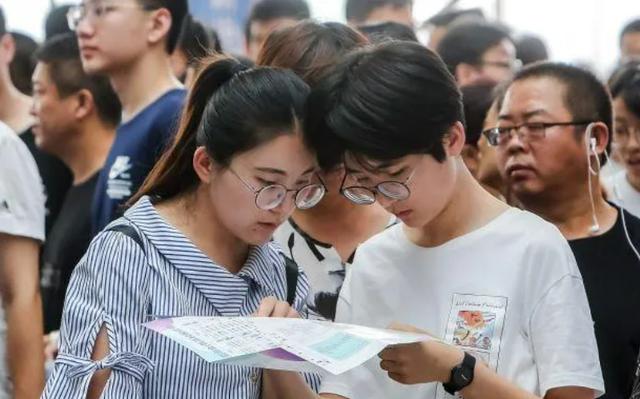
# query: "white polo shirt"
{"points": [[510, 293], [21, 211]]}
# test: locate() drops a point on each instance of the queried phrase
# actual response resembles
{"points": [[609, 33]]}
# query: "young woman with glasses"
{"points": [[196, 242]]}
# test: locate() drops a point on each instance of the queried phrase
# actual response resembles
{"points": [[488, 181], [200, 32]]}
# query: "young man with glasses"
{"points": [[499, 286], [130, 42], [553, 129], [479, 51]]}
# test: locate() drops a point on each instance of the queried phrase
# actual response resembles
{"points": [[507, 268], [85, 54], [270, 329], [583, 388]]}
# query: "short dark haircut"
{"points": [[384, 31], [359, 10], [196, 41], [268, 10], [466, 43], [382, 103], [631, 27], [61, 55], [477, 99], [447, 17], [585, 97], [179, 10], [56, 22], [23, 63], [530, 49], [3, 23], [625, 83]]}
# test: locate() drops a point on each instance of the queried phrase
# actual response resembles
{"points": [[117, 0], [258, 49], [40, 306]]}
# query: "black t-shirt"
{"points": [[65, 246], [611, 274], [55, 175]]}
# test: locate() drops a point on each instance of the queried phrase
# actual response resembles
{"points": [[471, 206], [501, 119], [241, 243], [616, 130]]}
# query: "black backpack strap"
{"points": [[291, 268], [130, 232]]}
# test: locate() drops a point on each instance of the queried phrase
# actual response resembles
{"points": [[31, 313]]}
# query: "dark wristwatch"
{"points": [[461, 375]]}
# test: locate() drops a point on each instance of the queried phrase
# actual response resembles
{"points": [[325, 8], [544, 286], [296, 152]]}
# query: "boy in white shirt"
{"points": [[499, 286]]}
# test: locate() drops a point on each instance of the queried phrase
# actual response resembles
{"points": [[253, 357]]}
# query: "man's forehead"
{"points": [[534, 94]]}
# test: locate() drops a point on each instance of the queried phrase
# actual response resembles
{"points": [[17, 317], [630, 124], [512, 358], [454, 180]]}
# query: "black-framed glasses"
{"points": [[527, 132], [97, 10], [272, 196], [361, 195]]}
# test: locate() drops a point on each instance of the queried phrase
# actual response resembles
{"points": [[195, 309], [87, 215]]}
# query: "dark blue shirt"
{"points": [[136, 148]]}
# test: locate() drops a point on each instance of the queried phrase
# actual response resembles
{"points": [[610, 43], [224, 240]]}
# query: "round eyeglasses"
{"points": [[273, 195], [393, 190]]}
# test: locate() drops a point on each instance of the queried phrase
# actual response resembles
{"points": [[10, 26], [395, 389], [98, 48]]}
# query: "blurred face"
{"points": [[260, 30], [430, 185], [55, 117], [389, 13], [470, 156], [284, 160], [487, 164], [630, 46], [626, 138], [179, 64], [114, 33], [499, 62], [549, 162]]}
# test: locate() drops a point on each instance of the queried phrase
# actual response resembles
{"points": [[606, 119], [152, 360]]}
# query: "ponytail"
{"points": [[173, 173]]}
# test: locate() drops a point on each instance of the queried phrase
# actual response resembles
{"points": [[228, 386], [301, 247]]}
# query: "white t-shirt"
{"points": [[510, 293], [21, 211], [623, 194]]}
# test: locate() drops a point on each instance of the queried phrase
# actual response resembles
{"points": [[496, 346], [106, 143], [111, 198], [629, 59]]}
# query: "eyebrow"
{"points": [[526, 115], [280, 171]]}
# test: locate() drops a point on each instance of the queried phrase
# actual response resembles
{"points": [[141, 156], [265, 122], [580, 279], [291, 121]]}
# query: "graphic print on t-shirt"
{"points": [[119, 183], [475, 325]]}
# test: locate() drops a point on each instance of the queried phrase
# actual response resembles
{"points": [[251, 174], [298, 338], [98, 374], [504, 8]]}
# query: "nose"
{"points": [[384, 201], [514, 144], [85, 28], [286, 207]]}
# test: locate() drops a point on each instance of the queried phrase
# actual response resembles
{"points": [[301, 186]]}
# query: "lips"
{"points": [[403, 214], [516, 170]]}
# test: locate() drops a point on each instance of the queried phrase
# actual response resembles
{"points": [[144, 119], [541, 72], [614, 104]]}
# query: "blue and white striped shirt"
{"points": [[121, 285]]}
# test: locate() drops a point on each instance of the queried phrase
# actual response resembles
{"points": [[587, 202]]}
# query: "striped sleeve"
{"points": [[108, 288]]}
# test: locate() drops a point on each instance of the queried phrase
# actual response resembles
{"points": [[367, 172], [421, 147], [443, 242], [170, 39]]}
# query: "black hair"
{"points": [[631, 27], [268, 10], [530, 49], [61, 55], [466, 43], [382, 103], [196, 41], [56, 22], [231, 109], [477, 99], [179, 10], [3, 22], [384, 31], [625, 83], [585, 97], [447, 17], [23, 63], [359, 10]]}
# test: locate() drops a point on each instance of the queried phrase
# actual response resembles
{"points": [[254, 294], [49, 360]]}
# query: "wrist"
{"points": [[449, 358]]}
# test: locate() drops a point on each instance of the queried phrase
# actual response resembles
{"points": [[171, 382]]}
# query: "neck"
{"points": [[87, 152], [142, 82], [469, 208], [570, 209], [187, 212], [14, 106]]}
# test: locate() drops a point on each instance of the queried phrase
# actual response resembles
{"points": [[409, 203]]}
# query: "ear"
{"points": [[160, 26], [600, 133], [454, 140], [466, 74], [8, 45], [203, 165], [84, 104]]}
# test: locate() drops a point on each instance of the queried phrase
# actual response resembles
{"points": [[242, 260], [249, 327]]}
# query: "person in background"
{"points": [[439, 24], [553, 129], [323, 239], [23, 64], [15, 112], [477, 99], [630, 41], [130, 43], [363, 12], [268, 15], [383, 31], [476, 51], [196, 42], [75, 119], [21, 234], [56, 21], [624, 187], [530, 49]]}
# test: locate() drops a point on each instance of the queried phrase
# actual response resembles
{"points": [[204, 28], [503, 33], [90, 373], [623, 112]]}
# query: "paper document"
{"points": [[282, 344]]}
